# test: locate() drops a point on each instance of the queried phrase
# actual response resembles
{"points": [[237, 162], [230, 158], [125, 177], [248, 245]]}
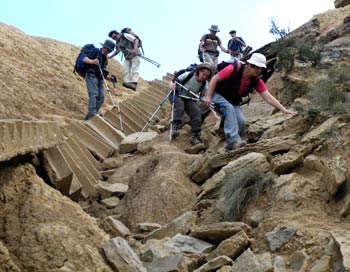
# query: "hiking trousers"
{"points": [[131, 69], [182, 105], [95, 92], [210, 59], [234, 122]]}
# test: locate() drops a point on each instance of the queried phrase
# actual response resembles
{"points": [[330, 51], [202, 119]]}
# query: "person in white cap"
{"points": [[208, 52], [228, 87]]}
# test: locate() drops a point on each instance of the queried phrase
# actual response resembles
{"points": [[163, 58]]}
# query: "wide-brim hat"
{"points": [[214, 28], [206, 66], [109, 45], [258, 59]]}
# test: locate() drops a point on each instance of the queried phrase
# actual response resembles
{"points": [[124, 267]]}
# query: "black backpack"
{"points": [[129, 31], [192, 69], [80, 66], [223, 64]]}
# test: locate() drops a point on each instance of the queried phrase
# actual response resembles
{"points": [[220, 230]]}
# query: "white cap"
{"points": [[258, 59]]}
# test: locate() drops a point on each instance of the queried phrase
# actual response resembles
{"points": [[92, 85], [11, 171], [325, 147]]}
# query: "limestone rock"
{"points": [[217, 232], [280, 236], [131, 142], [231, 247], [214, 264], [122, 257], [341, 238], [180, 224], [247, 261]]}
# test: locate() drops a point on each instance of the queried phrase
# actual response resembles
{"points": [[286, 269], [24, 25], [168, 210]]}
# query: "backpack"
{"points": [[129, 31], [237, 64], [80, 66], [192, 69], [223, 64], [199, 52]]}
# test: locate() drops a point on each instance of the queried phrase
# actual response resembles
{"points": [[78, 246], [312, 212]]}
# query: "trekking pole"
{"points": [[172, 115], [110, 96], [212, 108], [157, 109], [149, 60], [211, 104], [114, 80], [145, 58]]}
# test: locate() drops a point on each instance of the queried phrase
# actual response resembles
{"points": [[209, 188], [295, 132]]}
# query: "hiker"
{"points": [[128, 44], [94, 77], [228, 87], [235, 46], [198, 84], [208, 46]]}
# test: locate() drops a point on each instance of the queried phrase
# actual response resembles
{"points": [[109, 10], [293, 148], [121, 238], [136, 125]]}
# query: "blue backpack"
{"points": [[80, 66]]}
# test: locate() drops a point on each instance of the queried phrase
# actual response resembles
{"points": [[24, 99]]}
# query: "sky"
{"points": [[170, 30]]}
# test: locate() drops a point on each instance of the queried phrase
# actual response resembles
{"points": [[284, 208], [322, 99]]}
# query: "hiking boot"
{"points": [[195, 138], [89, 116], [133, 85], [235, 145], [175, 132], [130, 85]]}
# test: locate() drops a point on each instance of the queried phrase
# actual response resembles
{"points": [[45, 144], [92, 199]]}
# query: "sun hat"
{"points": [[258, 59], [109, 45], [214, 28], [207, 66]]}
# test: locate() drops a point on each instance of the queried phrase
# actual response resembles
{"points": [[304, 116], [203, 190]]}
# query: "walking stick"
{"points": [[157, 109], [212, 106], [143, 57], [172, 114], [115, 105], [114, 80]]}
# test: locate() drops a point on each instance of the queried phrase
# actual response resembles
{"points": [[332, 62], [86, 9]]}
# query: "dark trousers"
{"points": [[182, 105]]}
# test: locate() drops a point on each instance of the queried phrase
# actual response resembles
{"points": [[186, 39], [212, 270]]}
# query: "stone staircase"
{"points": [[74, 159], [19, 137], [136, 110]]}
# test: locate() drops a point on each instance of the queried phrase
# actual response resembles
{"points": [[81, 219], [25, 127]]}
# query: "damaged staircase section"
{"points": [[74, 165], [22, 137]]}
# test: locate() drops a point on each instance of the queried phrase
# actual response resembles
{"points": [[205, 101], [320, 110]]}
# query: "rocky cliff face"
{"points": [[279, 204]]}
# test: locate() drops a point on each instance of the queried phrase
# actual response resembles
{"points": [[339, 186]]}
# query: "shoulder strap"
{"points": [[229, 44], [94, 53], [200, 91], [205, 39], [187, 78]]}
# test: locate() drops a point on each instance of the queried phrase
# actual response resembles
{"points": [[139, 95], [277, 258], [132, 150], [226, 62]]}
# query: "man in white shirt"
{"points": [[128, 44]]}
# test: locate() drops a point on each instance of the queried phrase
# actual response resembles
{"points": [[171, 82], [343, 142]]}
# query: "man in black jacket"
{"points": [[228, 87], [94, 77]]}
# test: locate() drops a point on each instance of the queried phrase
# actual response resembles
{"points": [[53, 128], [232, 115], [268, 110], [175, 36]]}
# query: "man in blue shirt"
{"points": [[235, 46]]}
